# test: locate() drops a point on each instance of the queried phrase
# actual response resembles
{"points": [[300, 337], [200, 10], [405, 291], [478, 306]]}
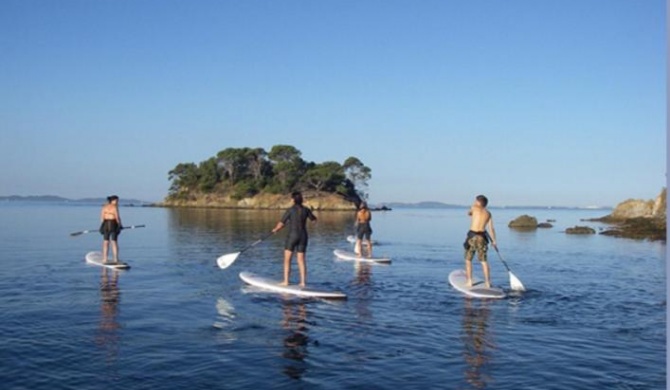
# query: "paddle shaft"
{"points": [[488, 236], [253, 244], [96, 230], [501, 259]]}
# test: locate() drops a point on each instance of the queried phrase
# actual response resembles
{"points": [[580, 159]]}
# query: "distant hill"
{"points": [[60, 199]]}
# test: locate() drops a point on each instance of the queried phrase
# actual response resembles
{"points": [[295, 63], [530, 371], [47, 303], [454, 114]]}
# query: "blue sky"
{"points": [[530, 102]]}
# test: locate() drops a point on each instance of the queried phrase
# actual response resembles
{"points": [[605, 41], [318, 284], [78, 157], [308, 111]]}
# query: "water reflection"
{"points": [[477, 342], [222, 225], [108, 329], [296, 339], [225, 320], [362, 290]]}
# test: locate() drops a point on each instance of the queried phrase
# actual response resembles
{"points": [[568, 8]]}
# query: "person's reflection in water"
{"points": [[108, 337], [362, 290], [295, 343], [477, 342]]}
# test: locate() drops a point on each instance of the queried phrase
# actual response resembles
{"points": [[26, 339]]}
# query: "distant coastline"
{"points": [[246, 206], [440, 205], [60, 199]]}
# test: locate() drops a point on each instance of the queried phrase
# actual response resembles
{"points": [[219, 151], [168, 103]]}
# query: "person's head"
{"points": [[297, 197], [482, 200], [113, 199], [364, 205]]}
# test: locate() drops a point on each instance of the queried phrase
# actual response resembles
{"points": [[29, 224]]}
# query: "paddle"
{"points": [[98, 230], [226, 260], [514, 282]]}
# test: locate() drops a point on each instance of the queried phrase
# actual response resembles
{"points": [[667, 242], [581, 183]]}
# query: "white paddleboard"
{"points": [[345, 255], [274, 286], [96, 258], [458, 280]]}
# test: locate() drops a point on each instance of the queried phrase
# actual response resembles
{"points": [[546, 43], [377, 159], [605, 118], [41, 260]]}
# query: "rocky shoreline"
{"points": [[634, 218], [638, 219]]}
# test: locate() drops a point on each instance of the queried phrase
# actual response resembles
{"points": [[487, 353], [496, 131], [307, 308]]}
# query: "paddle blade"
{"points": [[226, 260], [515, 283]]}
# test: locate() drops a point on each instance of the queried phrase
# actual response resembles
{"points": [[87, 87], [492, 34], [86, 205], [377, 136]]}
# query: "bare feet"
{"points": [[488, 284], [468, 283], [284, 283], [302, 285]]}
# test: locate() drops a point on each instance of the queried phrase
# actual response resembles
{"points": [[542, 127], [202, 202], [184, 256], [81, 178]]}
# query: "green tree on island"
{"points": [[245, 172]]}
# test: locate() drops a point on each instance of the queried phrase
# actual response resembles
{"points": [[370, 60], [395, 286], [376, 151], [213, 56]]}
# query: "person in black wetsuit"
{"points": [[296, 240]]}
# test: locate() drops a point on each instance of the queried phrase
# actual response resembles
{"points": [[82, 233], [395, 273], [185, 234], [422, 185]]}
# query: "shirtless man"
{"points": [[363, 230], [110, 227], [296, 239], [478, 238]]}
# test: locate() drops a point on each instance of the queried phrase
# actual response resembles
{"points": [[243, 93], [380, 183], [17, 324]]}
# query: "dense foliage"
{"points": [[245, 172]]}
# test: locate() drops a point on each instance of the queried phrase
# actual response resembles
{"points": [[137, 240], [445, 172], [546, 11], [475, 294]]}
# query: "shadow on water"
{"points": [[478, 346], [107, 336]]}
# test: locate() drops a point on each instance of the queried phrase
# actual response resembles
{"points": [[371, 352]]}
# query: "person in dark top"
{"points": [[296, 240]]}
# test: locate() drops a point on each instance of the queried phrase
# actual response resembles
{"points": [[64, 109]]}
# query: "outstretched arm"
{"points": [[280, 226]]}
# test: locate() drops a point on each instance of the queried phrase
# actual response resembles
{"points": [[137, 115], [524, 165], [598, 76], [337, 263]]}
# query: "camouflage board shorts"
{"points": [[477, 244]]}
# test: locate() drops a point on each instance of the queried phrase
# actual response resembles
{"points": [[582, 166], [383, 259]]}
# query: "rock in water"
{"points": [[526, 222], [633, 208], [545, 225], [580, 230]]}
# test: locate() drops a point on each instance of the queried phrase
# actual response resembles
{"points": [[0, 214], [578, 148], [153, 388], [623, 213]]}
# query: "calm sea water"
{"points": [[593, 316]]}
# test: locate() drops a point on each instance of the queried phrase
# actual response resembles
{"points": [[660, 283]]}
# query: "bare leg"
{"points": [[468, 272], [357, 247], [115, 251], [287, 266], [105, 250], [369, 242], [485, 268], [302, 266]]}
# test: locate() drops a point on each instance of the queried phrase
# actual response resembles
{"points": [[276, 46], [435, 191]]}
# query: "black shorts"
{"points": [[364, 231], [110, 230], [296, 243]]}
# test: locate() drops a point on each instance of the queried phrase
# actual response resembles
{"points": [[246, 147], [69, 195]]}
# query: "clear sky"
{"points": [[529, 102]]}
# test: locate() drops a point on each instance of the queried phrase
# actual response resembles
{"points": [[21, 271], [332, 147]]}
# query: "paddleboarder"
{"points": [[296, 240], [477, 239], [110, 227], [363, 229]]}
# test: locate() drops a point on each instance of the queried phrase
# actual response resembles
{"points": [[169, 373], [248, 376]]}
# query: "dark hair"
{"points": [[112, 198], [297, 197], [364, 205], [483, 200]]}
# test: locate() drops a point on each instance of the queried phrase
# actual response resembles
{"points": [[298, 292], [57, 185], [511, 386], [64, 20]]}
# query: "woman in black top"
{"points": [[296, 240]]}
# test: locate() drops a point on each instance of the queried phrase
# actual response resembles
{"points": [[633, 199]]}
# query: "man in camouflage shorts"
{"points": [[478, 238]]}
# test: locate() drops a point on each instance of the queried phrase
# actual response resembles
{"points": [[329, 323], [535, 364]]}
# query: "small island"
{"points": [[253, 178]]}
